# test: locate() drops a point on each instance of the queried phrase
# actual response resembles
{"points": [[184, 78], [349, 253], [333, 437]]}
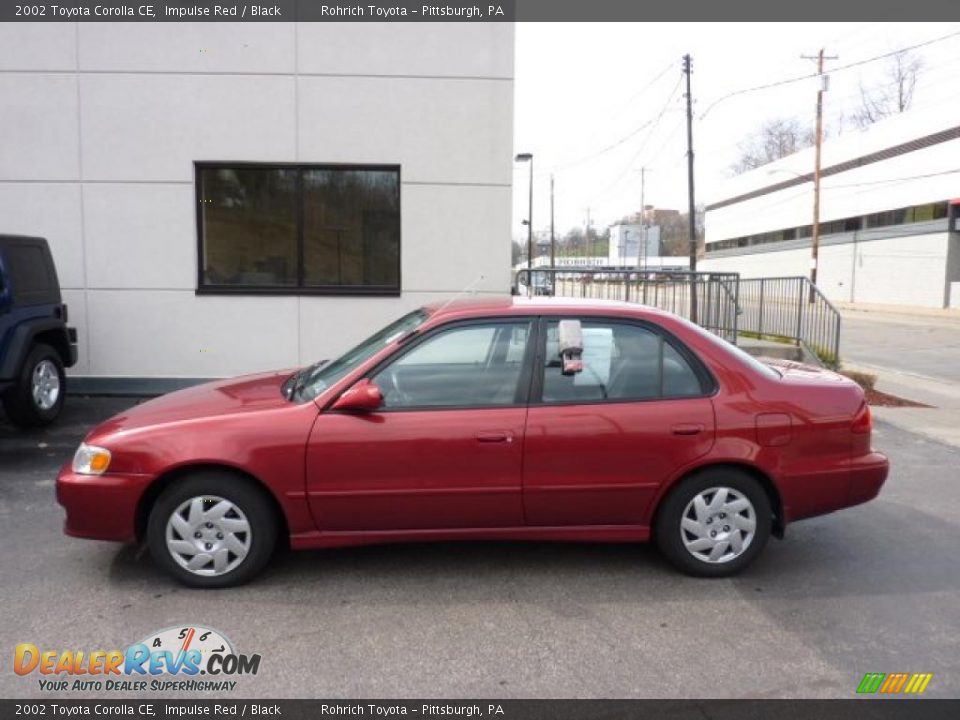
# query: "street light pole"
{"points": [[528, 157]]}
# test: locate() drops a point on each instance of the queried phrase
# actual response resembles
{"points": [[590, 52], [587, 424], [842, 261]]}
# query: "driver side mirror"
{"points": [[363, 396]]}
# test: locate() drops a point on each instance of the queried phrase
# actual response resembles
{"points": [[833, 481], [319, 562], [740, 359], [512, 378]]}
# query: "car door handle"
{"points": [[494, 437], [687, 429]]}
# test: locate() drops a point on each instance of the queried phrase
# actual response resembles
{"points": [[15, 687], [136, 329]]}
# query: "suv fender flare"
{"points": [[22, 339]]}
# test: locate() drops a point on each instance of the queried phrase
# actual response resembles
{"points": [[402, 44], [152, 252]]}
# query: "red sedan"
{"points": [[495, 419]]}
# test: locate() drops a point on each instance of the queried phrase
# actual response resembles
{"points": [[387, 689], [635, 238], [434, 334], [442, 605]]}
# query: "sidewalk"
{"points": [[940, 422], [898, 313]]}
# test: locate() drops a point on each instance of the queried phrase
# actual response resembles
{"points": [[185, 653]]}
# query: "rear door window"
{"points": [[621, 361]]}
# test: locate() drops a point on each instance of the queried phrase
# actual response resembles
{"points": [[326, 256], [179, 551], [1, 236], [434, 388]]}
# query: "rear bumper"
{"points": [[100, 507], [867, 475], [847, 482]]}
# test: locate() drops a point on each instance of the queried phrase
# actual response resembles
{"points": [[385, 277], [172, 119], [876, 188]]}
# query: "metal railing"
{"points": [[785, 309], [792, 310], [707, 298]]}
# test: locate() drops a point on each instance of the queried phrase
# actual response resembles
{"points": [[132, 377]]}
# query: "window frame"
{"points": [[524, 382], [708, 383], [202, 288]]}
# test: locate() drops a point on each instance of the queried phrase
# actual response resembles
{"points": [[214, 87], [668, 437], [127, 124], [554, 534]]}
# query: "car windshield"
{"points": [[313, 380]]}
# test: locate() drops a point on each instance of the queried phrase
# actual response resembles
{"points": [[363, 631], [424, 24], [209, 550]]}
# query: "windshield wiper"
{"points": [[296, 382]]}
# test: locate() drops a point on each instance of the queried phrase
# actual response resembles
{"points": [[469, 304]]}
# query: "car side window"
{"points": [[621, 361], [476, 365]]}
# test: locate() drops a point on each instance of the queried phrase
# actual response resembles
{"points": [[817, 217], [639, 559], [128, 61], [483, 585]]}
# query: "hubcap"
{"points": [[45, 385], [208, 535], [718, 525]]}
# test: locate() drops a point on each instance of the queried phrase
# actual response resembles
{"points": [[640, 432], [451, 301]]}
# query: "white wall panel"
{"points": [[153, 127], [174, 333], [38, 46], [38, 114], [52, 211], [194, 47], [452, 235], [439, 130], [140, 235], [429, 49]]}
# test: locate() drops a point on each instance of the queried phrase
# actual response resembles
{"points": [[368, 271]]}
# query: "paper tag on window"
{"points": [[597, 356]]}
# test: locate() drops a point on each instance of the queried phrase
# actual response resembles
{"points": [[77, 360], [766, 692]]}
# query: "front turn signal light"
{"points": [[91, 460]]}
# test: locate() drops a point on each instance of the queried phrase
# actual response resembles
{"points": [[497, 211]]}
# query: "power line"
{"points": [[612, 146], [839, 68], [654, 122]]}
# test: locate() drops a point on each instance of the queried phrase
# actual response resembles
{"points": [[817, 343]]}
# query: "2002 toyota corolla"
{"points": [[495, 419]]}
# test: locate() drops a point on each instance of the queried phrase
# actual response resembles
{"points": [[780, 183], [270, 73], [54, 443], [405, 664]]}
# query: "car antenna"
{"points": [[469, 289]]}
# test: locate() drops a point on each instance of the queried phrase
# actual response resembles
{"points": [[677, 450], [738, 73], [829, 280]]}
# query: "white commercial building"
{"points": [[632, 245], [887, 217], [223, 198]]}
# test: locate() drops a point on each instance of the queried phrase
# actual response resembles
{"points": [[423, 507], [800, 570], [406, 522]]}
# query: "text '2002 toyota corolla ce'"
{"points": [[493, 419]]}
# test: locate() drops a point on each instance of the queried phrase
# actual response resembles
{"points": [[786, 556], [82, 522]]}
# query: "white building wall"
{"points": [[901, 269], [896, 271], [102, 126]]}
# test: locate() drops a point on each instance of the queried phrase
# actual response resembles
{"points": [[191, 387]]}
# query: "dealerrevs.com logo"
{"points": [[190, 658]]}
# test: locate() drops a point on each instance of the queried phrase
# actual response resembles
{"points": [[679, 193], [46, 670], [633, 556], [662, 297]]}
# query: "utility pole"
{"points": [[688, 71], [553, 237], [642, 247], [815, 230], [586, 237]]}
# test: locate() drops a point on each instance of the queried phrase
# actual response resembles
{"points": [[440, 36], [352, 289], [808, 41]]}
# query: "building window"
{"points": [[899, 216], [298, 229]]}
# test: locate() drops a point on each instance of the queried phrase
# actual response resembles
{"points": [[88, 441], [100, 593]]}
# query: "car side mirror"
{"points": [[570, 336], [363, 396]]}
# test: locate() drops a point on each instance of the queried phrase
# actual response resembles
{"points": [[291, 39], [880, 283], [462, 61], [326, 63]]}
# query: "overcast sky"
{"points": [[583, 87]]}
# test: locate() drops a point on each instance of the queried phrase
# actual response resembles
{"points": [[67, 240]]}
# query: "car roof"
{"points": [[514, 305]]}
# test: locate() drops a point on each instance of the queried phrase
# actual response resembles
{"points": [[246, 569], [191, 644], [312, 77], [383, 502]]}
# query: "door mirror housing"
{"points": [[570, 337], [364, 396]]}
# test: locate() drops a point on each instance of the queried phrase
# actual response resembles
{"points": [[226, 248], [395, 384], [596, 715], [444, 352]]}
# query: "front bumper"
{"points": [[100, 507]]}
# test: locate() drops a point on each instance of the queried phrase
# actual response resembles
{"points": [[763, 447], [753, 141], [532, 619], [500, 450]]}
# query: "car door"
{"points": [[445, 450], [600, 443]]}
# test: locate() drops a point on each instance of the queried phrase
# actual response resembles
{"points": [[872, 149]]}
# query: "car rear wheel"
{"points": [[212, 529], [714, 523], [37, 397]]}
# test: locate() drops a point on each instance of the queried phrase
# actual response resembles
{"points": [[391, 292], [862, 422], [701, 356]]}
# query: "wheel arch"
{"points": [[175, 475], [764, 479]]}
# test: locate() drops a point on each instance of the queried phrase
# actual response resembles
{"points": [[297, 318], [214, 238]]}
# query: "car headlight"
{"points": [[91, 460]]}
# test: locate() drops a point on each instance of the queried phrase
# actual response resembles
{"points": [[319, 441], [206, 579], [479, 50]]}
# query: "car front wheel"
{"points": [[715, 523], [212, 530]]}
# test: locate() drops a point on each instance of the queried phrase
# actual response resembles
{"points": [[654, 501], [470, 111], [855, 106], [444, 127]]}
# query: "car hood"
{"points": [[249, 393]]}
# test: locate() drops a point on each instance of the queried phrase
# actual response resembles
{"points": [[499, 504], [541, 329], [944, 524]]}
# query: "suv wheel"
{"points": [[714, 523], [37, 397], [212, 529]]}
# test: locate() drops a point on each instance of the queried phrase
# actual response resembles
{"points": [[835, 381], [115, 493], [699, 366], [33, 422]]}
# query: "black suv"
{"points": [[35, 342]]}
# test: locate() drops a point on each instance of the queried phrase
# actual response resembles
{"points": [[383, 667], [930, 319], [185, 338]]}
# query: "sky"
{"points": [[596, 102]]}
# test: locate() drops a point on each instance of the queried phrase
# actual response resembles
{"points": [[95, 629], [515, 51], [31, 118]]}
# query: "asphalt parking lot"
{"points": [[871, 589]]}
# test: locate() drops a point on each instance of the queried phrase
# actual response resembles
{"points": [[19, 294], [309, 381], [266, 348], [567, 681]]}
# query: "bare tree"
{"points": [[776, 138], [894, 95]]}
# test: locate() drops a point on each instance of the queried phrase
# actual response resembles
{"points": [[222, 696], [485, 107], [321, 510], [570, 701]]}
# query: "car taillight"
{"points": [[863, 422]]}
